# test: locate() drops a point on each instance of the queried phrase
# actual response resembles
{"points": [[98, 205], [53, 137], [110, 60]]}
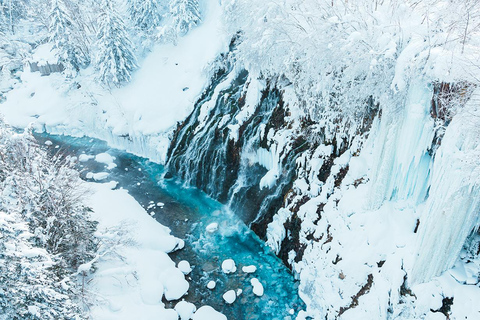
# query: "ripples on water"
{"points": [[187, 212]]}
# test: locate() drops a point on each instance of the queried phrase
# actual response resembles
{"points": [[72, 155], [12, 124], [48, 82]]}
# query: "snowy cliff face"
{"points": [[362, 221], [344, 132], [367, 183]]}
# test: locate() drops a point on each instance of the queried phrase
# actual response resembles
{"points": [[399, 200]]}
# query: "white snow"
{"points": [[138, 117], [184, 266], [132, 287], [185, 310], [85, 157], [257, 287], [100, 176], [228, 266], [230, 296], [249, 269], [208, 313], [211, 285], [212, 227], [107, 159]]}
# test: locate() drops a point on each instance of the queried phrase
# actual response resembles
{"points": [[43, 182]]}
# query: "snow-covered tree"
{"points": [[145, 14], [45, 232], [61, 29], [115, 57], [11, 11], [185, 14]]}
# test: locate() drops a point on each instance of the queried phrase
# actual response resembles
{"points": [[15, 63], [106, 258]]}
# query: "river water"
{"points": [[187, 212]]}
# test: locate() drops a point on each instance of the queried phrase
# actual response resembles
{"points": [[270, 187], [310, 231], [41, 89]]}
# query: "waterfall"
{"points": [[225, 147]]}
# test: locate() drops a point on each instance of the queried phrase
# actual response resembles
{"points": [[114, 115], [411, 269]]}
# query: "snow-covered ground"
{"points": [[136, 272], [139, 116]]}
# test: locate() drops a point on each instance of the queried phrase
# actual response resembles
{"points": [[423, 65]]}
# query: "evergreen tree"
{"points": [[145, 14], [61, 34], [186, 15], [115, 58]]}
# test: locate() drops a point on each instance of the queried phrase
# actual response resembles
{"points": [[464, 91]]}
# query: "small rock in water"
{"points": [[230, 296], [228, 266], [249, 269], [160, 204], [184, 266], [152, 213], [48, 143], [212, 227], [211, 285], [208, 266], [239, 292], [291, 311], [185, 309], [138, 183], [57, 146], [257, 287]]}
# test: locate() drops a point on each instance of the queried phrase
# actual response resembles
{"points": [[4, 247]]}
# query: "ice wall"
{"points": [[452, 209], [401, 160]]}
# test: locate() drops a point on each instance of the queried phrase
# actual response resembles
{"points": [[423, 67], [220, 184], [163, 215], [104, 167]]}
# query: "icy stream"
{"points": [[188, 212]]}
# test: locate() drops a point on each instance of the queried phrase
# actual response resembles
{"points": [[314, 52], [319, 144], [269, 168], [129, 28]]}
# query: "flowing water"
{"points": [[187, 212]]}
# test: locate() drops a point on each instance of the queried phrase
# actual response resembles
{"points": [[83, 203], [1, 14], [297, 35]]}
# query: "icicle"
{"points": [[452, 209], [401, 148]]}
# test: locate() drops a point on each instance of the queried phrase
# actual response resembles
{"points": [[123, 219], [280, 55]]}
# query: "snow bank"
{"points": [[208, 313], [132, 287], [138, 117]]}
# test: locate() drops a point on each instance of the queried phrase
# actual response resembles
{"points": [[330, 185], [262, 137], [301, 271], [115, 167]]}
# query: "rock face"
{"points": [[221, 146], [47, 68], [308, 187]]}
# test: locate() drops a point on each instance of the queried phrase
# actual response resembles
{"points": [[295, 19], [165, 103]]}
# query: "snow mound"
{"points": [[230, 296], [208, 313], [185, 310], [257, 287], [175, 284], [211, 285], [249, 269], [228, 266], [107, 159], [212, 227], [185, 267]]}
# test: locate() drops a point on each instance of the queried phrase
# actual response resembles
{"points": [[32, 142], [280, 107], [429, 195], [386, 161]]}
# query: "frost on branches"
{"points": [[61, 34], [115, 58], [145, 14], [186, 15], [46, 232]]}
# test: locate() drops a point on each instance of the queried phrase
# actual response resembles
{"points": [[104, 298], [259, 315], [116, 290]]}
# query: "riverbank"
{"points": [[129, 192]]}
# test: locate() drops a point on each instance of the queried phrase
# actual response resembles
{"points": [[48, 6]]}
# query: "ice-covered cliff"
{"points": [[344, 133]]}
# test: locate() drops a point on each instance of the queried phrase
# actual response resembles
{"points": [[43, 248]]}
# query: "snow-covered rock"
{"points": [[208, 313], [228, 266], [230, 296], [185, 267], [249, 269], [211, 285], [212, 227], [185, 310], [257, 287]]}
